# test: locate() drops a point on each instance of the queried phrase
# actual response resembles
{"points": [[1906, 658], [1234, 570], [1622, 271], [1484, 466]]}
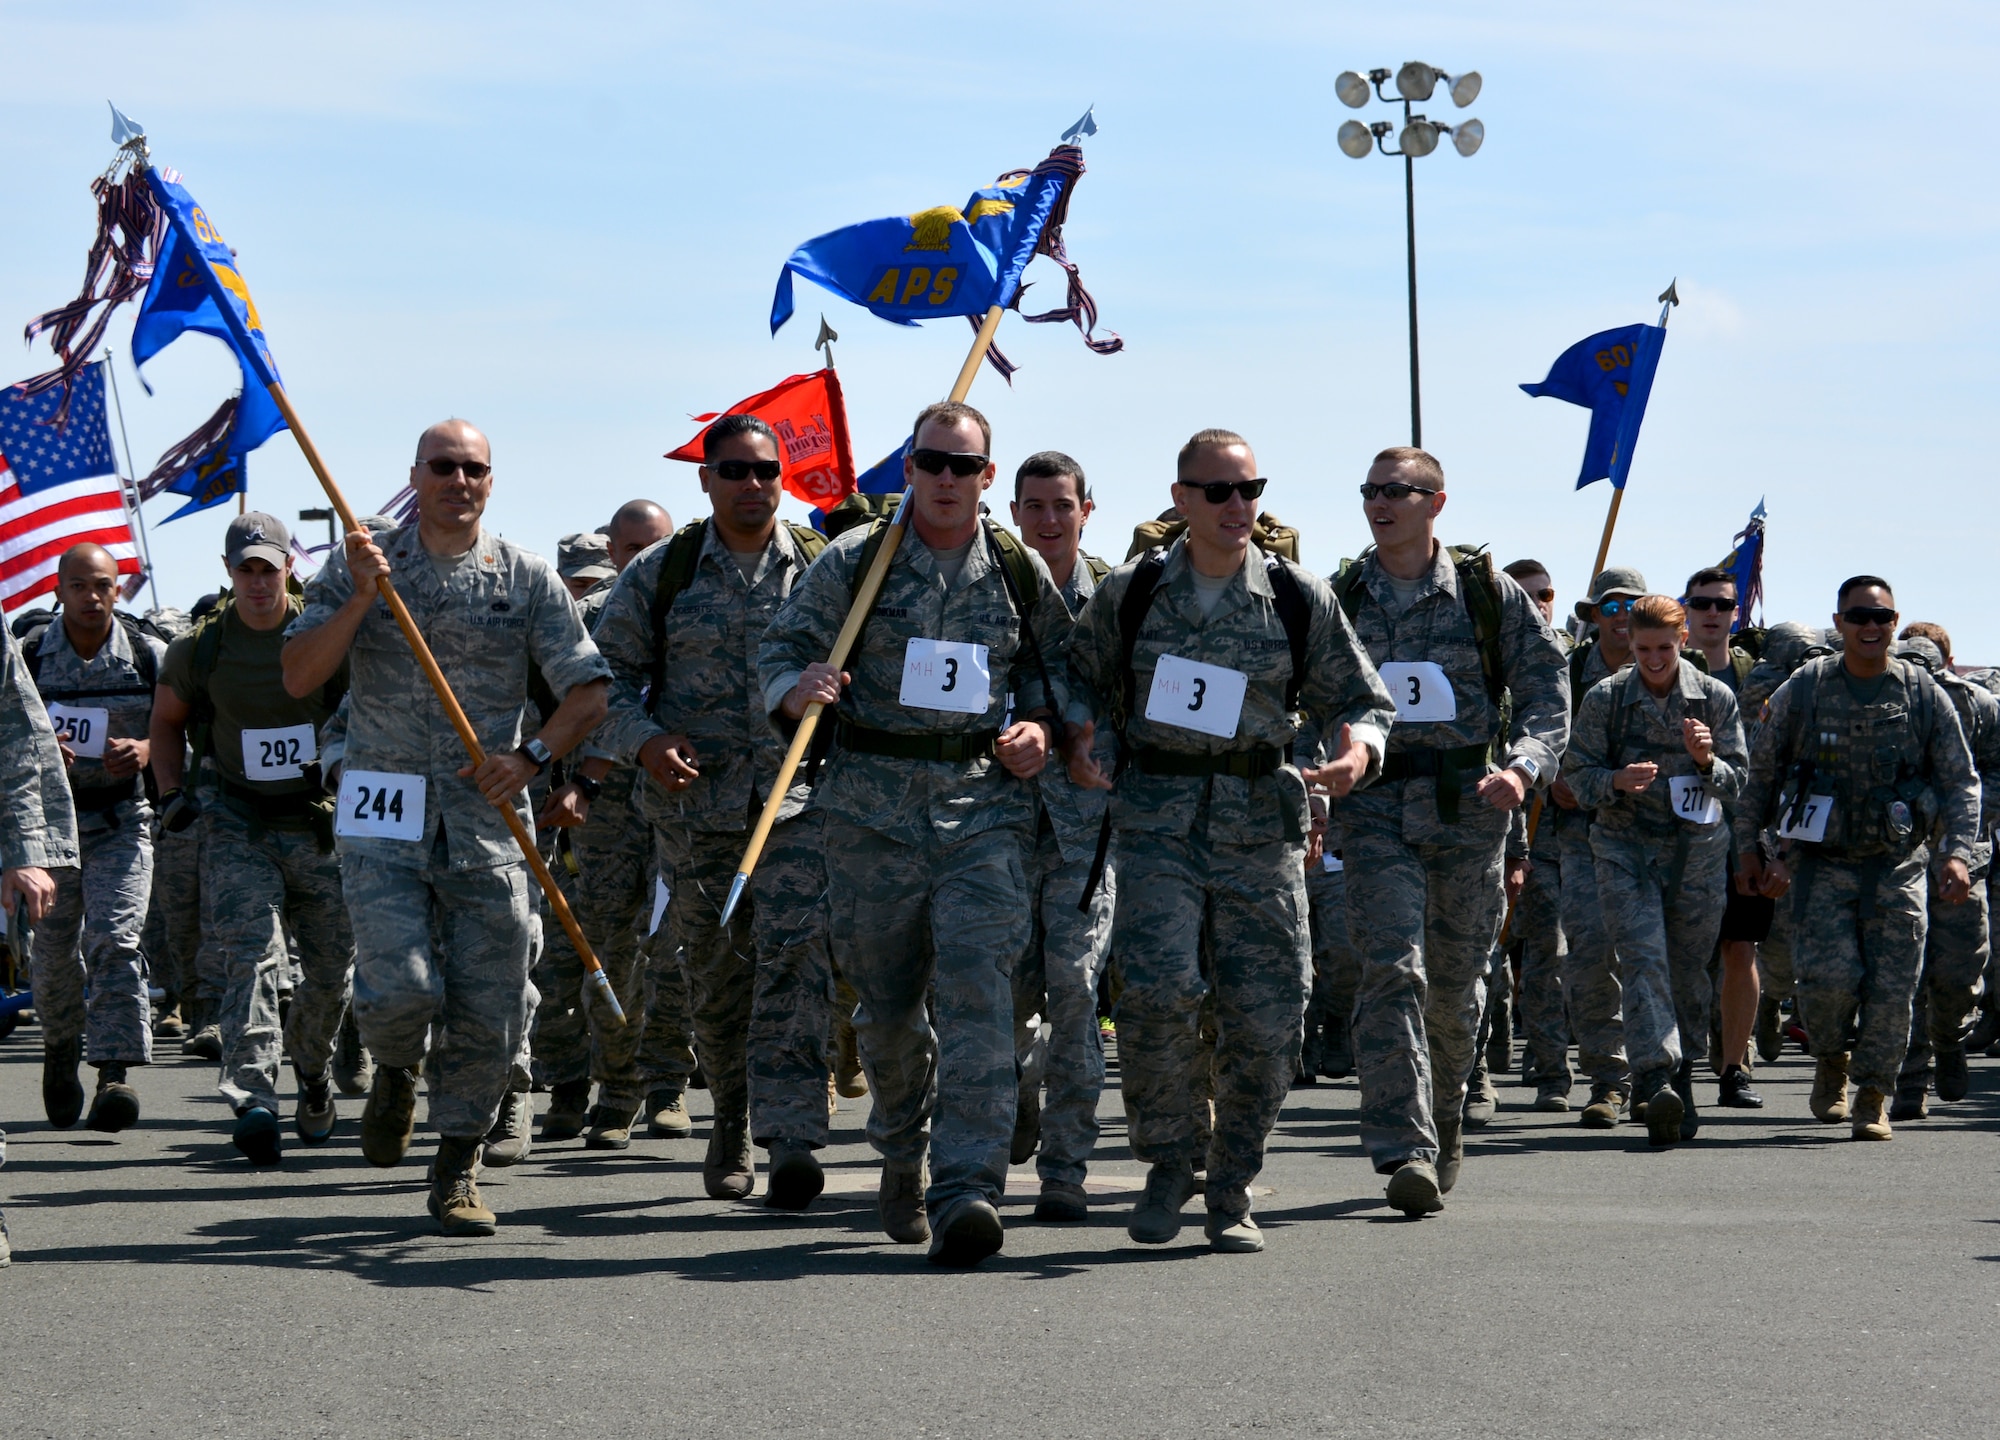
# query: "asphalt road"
{"points": [[1772, 1278]]}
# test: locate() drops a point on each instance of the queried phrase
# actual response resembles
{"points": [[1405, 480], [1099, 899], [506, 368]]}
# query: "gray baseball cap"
{"points": [[256, 536], [1618, 580], [585, 556]]}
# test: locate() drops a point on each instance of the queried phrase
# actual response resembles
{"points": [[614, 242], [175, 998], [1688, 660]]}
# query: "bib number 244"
{"points": [[380, 806]]}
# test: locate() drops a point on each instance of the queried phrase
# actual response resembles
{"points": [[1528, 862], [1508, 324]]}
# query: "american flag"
{"points": [[59, 487]]}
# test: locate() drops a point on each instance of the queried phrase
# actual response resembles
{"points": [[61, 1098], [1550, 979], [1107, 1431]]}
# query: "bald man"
{"points": [[96, 676], [445, 927], [638, 525]]}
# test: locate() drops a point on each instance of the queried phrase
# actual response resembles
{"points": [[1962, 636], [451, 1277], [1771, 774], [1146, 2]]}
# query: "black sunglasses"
{"points": [[1394, 490], [765, 470], [474, 469], [1868, 615], [963, 464], [1708, 602], [1216, 492]]}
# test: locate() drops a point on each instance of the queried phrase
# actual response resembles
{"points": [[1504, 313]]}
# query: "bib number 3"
{"points": [[1421, 690], [379, 806], [948, 675], [1189, 695]]}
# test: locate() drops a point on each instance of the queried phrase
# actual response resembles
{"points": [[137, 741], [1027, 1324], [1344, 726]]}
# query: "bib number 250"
{"points": [[379, 806]]}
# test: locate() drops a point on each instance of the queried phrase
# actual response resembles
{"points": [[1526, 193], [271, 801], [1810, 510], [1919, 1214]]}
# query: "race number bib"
{"points": [[378, 806], [80, 727], [281, 753], [946, 675], [1330, 864], [1810, 824], [1691, 800], [1420, 689], [1192, 696]]}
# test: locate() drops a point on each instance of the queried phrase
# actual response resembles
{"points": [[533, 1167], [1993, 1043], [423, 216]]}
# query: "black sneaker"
{"points": [[1734, 1092], [1954, 1077], [256, 1135], [62, 1092]]}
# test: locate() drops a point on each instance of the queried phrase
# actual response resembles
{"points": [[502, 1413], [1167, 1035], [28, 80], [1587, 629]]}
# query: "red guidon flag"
{"points": [[810, 419]]}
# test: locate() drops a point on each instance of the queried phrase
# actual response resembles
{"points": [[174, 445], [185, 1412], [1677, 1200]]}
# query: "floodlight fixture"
{"points": [[1416, 80], [1355, 139], [1466, 136], [1418, 139], [1465, 89], [1352, 90]]}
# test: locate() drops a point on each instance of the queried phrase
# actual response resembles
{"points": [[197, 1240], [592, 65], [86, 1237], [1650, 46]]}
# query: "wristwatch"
{"points": [[586, 786], [536, 753]]}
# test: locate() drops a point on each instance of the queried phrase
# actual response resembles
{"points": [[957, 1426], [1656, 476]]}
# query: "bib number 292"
{"points": [[379, 806]]}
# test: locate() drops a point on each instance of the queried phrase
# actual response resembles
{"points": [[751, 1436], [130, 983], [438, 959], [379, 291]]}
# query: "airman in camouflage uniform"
{"points": [[90, 937], [1957, 943], [1861, 759], [269, 842], [444, 924], [37, 815], [1209, 829], [610, 865], [1056, 1039], [929, 815], [1590, 961], [1425, 847], [688, 706], [1654, 766]]}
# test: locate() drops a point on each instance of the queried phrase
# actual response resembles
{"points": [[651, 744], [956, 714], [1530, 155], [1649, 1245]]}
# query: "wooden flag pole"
{"points": [[1604, 544], [864, 601], [593, 971]]}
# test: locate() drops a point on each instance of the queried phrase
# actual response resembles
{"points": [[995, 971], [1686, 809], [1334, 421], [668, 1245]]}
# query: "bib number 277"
{"points": [[379, 806]]}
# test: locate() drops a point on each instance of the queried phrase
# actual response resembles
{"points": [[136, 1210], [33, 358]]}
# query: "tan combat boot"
{"points": [[1870, 1123], [1829, 1092], [390, 1115], [847, 1076], [901, 1199], [454, 1201]]}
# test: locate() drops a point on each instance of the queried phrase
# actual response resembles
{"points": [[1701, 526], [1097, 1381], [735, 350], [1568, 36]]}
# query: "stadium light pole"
{"points": [[1415, 82]]}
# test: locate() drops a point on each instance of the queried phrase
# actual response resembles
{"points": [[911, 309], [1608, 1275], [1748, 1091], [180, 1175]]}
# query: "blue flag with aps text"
{"points": [[1610, 374], [944, 261]]}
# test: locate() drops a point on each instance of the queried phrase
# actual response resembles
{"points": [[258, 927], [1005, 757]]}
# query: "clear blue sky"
{"points": [[564, 223]]}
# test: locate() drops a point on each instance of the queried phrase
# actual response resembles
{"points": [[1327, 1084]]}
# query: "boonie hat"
{"points": [[1618, 580], [585, 556]]}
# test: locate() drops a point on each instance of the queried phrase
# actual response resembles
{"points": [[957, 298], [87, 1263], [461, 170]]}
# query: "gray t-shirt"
{"points": [[1208, 590], [746, 560], [1405, 591], [951, 563]]}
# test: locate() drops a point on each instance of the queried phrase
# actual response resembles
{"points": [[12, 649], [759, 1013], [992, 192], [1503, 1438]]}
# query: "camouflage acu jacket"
{"points": [[37, 817], [1620, 724]]}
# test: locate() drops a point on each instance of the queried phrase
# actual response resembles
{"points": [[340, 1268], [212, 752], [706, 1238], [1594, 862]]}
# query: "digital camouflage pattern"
{"points": [[1425, 896], [90, 937], [502, 610], [265, 880], [775, 946], [1590, 963], [1858, 897], [1660, 877], [1212, 902], [37, 816]]}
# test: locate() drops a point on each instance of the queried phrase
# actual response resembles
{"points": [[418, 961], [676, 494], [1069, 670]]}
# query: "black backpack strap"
{"points": [[1578, 659], [31, 649], [1017, 574], [1295, 614], [677, 569], [207, 636], [1132, 608]]}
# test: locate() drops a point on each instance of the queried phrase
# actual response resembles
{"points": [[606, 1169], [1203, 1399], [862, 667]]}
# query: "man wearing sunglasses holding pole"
{"points": [[941, 721], [1860, 762], [1424, 847], [442, 903], [1590, 964], [682, 629], [1204, 656]]}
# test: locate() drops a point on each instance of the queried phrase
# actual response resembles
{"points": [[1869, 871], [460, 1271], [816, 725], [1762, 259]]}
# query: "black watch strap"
{"points": [[588, 786]]}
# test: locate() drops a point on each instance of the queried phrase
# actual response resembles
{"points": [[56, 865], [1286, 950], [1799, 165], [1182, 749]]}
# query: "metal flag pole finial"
{"points": [[827, 335], [124, 129]]}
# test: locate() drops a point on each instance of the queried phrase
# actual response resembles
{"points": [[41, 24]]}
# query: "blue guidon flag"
{"points": [[954, 260]]}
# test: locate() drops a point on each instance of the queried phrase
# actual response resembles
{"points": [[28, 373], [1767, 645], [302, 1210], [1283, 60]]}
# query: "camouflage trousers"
{"points": [[1056, 980], [666, 1036], [1662, 898], [1774, 956], [262, 887], [90, 939], [1590, 963], [1226, 923], [947, 919], [610, 891], [1539, 934], [1336, 968], [173, 937], [1858, 927], [1957, 947], [441, 976], [761, 991], [1423, 918]]}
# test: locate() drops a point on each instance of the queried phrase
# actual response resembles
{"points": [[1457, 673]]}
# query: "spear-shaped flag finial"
{"points": [[827, 335], [1085, 126], [124, 129]]}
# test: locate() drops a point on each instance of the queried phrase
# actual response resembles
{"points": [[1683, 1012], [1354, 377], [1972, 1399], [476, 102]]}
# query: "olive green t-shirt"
{"points": [[247, 688]]}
